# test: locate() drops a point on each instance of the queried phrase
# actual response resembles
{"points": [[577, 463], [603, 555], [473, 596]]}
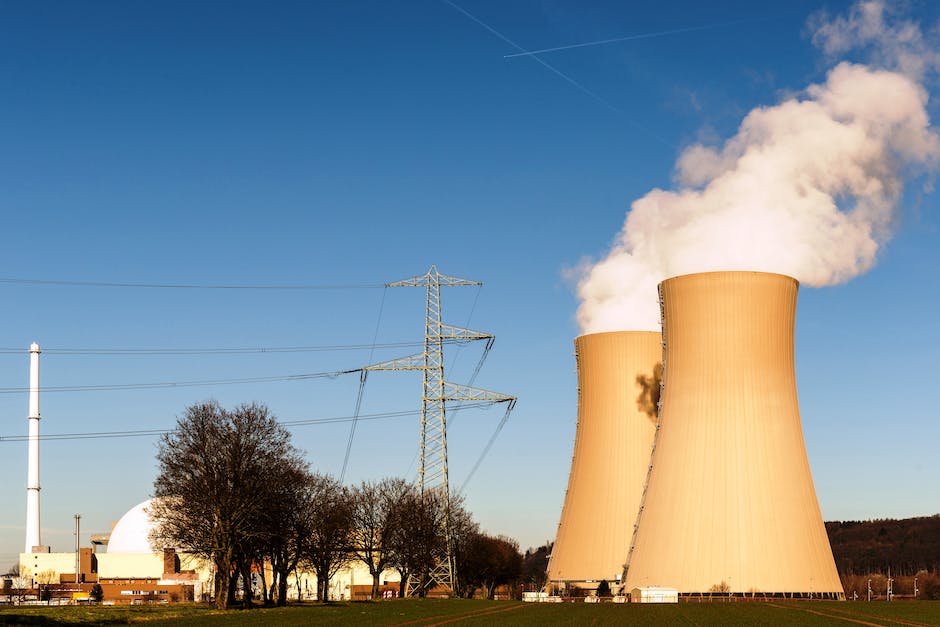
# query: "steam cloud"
{"points": [[808, 187]]}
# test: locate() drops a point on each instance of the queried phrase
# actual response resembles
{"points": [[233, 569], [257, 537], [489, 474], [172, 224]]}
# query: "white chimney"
{"points": [[32, 475]]}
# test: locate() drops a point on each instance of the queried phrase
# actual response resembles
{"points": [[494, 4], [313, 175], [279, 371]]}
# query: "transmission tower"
{"points": [[436, 393]]}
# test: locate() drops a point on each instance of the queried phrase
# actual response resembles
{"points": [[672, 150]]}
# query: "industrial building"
{"points": [[130, 571], [730, 503], [727, 503], [613, 440]]}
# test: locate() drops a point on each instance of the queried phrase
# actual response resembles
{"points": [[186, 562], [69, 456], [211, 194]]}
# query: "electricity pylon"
{"points": [[436, 392]]}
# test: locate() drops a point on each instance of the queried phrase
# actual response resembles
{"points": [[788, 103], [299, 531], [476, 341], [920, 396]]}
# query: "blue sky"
{"points": [[355, 143]]}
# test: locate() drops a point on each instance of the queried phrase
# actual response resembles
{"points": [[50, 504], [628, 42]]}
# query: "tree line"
{"points": [[232, 489], [869, 552], [905, 547]]}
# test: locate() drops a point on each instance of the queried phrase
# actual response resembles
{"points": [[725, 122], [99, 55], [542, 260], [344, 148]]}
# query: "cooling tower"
{"points": [[612, 446], [729, 497]]}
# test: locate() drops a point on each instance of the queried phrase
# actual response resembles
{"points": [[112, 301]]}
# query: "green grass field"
{"points": [[424, 613]]}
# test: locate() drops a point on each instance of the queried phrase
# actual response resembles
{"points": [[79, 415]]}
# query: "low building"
{"points": [[654, 594], [130, 571]]}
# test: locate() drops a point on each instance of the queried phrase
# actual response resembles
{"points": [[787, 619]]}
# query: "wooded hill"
{"points": [[905, 546]]}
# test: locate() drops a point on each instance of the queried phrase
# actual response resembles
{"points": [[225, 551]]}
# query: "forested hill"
{"points": [[905, 546]]}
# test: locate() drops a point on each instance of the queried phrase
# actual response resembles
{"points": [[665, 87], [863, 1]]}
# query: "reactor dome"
{"points": [[130, 534]]}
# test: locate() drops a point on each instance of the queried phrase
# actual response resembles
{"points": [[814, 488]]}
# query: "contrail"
{"points": [[559, 73], [601, 42]]}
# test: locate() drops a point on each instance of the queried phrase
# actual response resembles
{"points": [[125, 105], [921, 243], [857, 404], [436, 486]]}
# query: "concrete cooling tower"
{"points": [[730, 505], [616, 424]]}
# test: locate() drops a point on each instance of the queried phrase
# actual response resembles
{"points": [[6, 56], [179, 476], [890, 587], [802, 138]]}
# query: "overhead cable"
{"points": [[190, 286], [92, 435], [489, 445], [362, 389], [213, 351], [180, 384], [9, 350]]}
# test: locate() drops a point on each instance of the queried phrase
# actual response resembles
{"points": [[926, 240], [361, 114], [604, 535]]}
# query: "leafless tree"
{"points": [[328, 547], [214, 469], [19, 582], [462, 529], [535, 565], [376, 512], [488, 562], [289, 524], [418, 541]]}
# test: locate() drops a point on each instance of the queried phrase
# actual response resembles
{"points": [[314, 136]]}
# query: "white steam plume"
{"points": [[807, 188], [895, 43]]}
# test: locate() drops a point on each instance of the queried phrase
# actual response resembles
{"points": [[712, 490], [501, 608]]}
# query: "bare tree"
{"points": [[329, 517], [462, 529], [488, 562], [535, 565], [418, 541], [19, 582], [287, 519], [214, 469], [376, 511]]}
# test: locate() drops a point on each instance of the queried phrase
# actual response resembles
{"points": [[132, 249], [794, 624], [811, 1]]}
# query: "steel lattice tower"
{"points": [[436, 392]]}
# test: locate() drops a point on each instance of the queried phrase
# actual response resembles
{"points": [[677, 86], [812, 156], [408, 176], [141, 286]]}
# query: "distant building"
{"points": [[130, 571], [654, 594]]}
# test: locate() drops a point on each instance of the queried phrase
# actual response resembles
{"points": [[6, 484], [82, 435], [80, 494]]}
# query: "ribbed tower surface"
{"points": [[611, 456], [730, 496]]}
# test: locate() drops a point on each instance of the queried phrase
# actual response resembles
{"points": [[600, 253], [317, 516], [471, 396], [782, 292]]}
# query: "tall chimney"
{"points": [[612, 446], [78, 553], [730, 498], [32, 473]]}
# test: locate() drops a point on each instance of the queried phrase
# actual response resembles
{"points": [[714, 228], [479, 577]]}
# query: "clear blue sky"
{"points": [[360, 142]]}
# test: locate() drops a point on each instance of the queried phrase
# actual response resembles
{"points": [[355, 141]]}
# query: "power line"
{"points": [[362, 389], [86, 436], [189, 286], [486, 449], [9, 350], [174, 384], [466, 325], [212, 351], [92, 435]]}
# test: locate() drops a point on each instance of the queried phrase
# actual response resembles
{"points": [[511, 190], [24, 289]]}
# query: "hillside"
{"points": [[905, 546]]}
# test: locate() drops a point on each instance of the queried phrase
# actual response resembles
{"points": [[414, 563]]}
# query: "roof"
{"points": [[130, 534]]}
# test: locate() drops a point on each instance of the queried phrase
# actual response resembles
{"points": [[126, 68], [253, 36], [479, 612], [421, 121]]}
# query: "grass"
{"points": [[463, 612]]}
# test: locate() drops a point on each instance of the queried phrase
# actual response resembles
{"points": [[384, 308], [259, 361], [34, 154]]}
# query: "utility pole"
{"points": [[433, 472], [78, 561]]}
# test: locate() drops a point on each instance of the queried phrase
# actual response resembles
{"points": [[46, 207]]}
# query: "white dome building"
{"points": [[129, 552], [131, 557], [131, 533], [130, 570]]}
